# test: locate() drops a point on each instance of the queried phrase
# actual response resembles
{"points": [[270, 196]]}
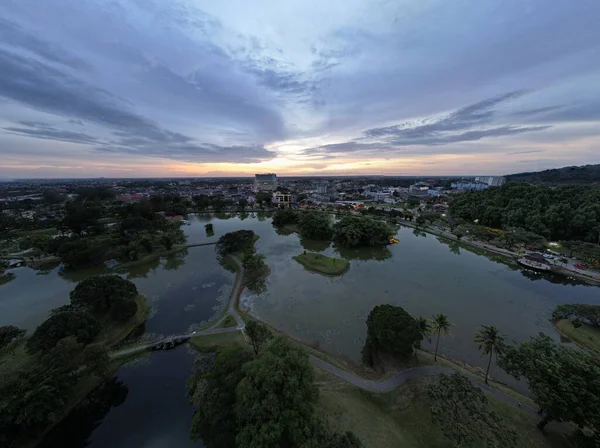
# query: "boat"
{"points": [[393, 240], [533, 262]]}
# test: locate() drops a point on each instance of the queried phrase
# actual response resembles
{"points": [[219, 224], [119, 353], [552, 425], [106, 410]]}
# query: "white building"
{"points": [[470, 186], [280, 199], [419, 189]]}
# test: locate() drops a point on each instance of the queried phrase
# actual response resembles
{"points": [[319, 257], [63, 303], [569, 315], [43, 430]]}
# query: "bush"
{"points": [[80, 324]]}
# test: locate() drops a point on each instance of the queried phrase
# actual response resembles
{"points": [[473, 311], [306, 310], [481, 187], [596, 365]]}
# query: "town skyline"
{"points": [[174, 88]]}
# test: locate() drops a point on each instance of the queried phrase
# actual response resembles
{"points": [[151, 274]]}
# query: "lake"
{"points": [[422, 273]]}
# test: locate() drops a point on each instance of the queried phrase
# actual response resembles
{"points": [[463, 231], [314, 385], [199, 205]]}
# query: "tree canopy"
{"points": [[565, 382], [315, 226], [390, 329], [581, 311], [78, 323], [267, 401], [258, 334], [232, 242], [564, 213], [353, 231], [103, 294], [10, 333], [285, 216], [462, 411]]}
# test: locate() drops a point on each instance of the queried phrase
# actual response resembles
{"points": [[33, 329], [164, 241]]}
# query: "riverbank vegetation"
{"points": [[322, 263], [565, 382], [267, 399], [43, 376], [579, 322]]}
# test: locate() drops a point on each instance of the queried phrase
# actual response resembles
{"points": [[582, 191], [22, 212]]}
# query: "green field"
{"points": [[214, 342], [229, 321], [402, 419], [587, 336], [323, 264]]}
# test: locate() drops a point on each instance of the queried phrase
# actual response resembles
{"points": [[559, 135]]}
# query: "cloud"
{"points": [[529, 151], [44, 131]]}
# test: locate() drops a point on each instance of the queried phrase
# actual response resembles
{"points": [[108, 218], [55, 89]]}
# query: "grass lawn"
{"points": [[229, 321], [401, 418], [586, 336], [214, 342], [323, 264], [114, 332]]}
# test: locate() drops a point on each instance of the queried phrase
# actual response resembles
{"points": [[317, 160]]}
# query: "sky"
{"points": [[165, 88]]}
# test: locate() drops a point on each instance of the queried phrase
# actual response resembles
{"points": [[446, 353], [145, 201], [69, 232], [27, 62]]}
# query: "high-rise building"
{"points": [[265, 182]]}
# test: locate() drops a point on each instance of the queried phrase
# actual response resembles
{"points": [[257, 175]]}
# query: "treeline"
{"points": [[461, 409], [587, 174], [349, 231], [565, 213], [263, 399], [580, 311], [34, 395]]}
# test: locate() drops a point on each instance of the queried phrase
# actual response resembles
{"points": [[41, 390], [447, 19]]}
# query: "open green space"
{"points": [[587, 336], [402, 417], [229, 321], [322, 263], [215, 342]]}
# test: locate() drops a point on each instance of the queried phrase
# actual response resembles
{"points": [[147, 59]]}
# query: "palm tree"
{"points": [[424, 330], [489, 339], [441, 325]]}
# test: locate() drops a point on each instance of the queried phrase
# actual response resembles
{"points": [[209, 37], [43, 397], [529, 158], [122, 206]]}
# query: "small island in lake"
{"points": [[323, 264]]}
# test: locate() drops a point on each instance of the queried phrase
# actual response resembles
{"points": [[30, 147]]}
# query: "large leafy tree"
{"points": [[258, 334], [8, 335], [275, 402], [390, 329], [440, 326], [103, 294], [489, 340], [462, 411], [354, 231], [80, 324], [232, 242], [213, 393], [424, 327], [315, 226], [565, 382], [285, 216]]}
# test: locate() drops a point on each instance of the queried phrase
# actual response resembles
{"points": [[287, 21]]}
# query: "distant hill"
{"points": [[569, 175]]}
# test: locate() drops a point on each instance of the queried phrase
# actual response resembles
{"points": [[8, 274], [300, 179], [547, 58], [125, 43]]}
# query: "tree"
{"points": [[103, 294], [80, 217], [213, 394], [390, 329], [232, 242], [285, 216], [167, 240], [441, 326], [209, 229], [95, 357], [254, 265], [424, 328], [354, 231], [9, 335], [420, 221], [258, 334], [242, 203], [488, 340], [582, 311], [80, 324], [276, 400], [463, 413], [565, 382], [315, 226]]}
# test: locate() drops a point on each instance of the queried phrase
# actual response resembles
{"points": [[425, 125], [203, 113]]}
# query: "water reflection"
{"points": [[364, 253], [75, 430], [143, 269], [176, 260], [314, 245], [419, 232]]}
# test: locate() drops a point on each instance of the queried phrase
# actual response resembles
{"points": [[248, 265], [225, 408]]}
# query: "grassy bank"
{"points": [[229, 321], [149, 257], [215, 342], [113, 332], [402, 418], [586, 336], [323, 264]]}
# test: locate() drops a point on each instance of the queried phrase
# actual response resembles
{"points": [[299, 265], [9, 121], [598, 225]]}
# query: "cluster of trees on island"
{"points": [[349, 231], [266, 398], [61, 350], [565, 382]]}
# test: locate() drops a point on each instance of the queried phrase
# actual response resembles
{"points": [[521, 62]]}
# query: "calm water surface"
{"points": [[421, 273]]}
